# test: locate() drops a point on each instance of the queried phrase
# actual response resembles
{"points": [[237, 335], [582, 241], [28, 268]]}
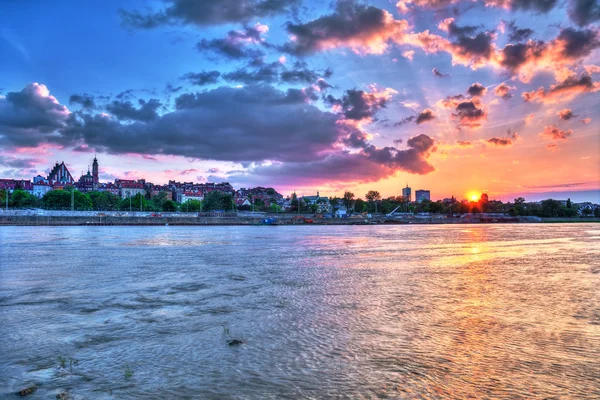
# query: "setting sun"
{"points": [[474, 196]]}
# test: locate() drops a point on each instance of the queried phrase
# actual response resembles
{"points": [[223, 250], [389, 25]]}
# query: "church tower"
{"points": [[95, 171]]}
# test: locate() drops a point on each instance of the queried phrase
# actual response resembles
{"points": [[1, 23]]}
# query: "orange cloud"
{"points": [[552, 132], [565, 91]]}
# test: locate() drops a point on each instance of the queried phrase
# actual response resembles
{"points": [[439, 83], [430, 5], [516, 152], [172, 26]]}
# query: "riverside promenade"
{"points": [[39, 217]]}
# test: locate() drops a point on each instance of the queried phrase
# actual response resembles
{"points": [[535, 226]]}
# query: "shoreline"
{"points": [[38, 220]]}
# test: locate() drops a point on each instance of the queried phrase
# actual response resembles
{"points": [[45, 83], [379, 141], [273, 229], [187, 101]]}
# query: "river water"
{"points": [[453, 312]]}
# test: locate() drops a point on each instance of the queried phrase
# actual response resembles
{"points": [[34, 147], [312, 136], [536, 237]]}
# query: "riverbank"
{"points": [[224, 219]]}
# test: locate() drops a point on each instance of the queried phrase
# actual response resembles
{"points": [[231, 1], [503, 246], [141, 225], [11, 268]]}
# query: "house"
{"points": [[322, 203], [185, 196]]}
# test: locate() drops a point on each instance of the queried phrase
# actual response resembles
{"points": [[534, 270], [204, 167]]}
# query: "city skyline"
{"points": [[460, 99]]}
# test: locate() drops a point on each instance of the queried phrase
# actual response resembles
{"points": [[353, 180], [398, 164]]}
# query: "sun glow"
{"points": [[473, 196]]}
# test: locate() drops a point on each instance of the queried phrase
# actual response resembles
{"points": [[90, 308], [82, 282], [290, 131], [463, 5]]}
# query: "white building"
{"points": [[40, 188], [185, 196]]}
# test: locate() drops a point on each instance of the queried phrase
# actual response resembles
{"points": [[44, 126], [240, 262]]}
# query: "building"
{"points": [[484, 198], [11, 185], [95, 173], [86, 183], [60, 173], [185, 196], [109, 187], [130, 188], [407, 193], [421, 195], [321, 202], [40, 188]]}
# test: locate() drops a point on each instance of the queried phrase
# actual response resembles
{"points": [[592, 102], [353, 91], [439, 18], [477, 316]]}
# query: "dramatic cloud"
{"points": [[84, 100], [30, 116], [552, 132], [542, 6], [424, 116], [473, 51], [364, 29], [469, 114], [565, 114], [584, 12], [450, 26], [503, 90], [125, 110], [437, 73], [202, 78], [212, 12], [235, 44], [567, 90], [476, 90], [518, 35], [260, 72], [359, 105], [557, 56]]}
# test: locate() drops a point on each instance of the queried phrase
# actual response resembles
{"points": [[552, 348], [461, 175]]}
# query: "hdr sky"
{"points": [[455, 96]]}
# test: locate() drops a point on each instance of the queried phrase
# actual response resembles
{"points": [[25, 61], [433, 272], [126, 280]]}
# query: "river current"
{"points": [[272, 312]]}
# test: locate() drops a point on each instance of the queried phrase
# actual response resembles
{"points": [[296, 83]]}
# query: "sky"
{"points": [[454, 96]]}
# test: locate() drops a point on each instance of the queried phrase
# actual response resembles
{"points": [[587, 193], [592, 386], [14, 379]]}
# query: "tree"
{"points": [[569, 203], [359, 205], [104, 200], [23, 199], [550, 208], [348, 197], [597, 212], [519, 200], [61, 200], [274, 208], [587, 211], [190, 205], [373, 196], [217, 200], [334, 201], [134, 203], [171, 206]]}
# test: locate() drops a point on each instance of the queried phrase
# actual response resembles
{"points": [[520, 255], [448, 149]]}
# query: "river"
{"points": [[397, 312]]}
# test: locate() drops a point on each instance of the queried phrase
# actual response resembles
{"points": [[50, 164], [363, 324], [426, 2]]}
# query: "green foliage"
{"points": [[274, 208], [23, 199], [191, 206], [550, 208], [597, 212], [587, 211], [134, 203], [217, 201], [569, 205], [170, 206], [348, 197], [61, 200], [359, 205], [104, 201]]}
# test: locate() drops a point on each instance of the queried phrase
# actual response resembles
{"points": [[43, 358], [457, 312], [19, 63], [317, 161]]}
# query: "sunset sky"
{"points": [[497, 96]]}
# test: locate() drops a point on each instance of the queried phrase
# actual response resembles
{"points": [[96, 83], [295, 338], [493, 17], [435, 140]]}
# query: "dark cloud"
{"points": [[584, 12], [437, 73], [30, 116], [21, 163], [500, 141], [578, 43], [355, 25], [469, 114], [476, 90], [462, 143], [125, 110], [213, 12], [477, 48], [542, 6], [236, 44], [565, 114], [424, 116], [253, 123], [202, 78], [515, 55], [518, 34], [565, 90], [456, 30], [266, 73], [360, 105], [84, 100]]}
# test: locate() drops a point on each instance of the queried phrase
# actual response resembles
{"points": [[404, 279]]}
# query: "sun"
{"points": [[474, 196]]}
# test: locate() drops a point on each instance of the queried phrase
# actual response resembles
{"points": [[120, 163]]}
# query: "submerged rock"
{"points": [[27, 391], [235, 342], [63, 396]]}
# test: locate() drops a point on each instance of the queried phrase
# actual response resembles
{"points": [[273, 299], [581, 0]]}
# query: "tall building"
{"points": [[406, 193], [95, 172], [421, 195], [484, 198]]}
